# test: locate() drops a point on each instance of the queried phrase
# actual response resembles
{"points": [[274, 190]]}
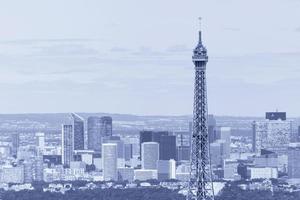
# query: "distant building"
{"points": [[293, 160], [151, 136], [120, 149], [11, 174], [67, 144], [109, 161], [183, 153], [273, 135], [167, 147], [85, 156], [269, 159], [217, 150], [183, 143], [166, 169], [276, 116], [263, 172], [39, 166], [224, 133], [40, 141], [145, 174], [230, 169], [128, 151], [150, 155], [212, 123], [78, 131], [98, 127], [15, 140], [28, 171], [126, 174]]}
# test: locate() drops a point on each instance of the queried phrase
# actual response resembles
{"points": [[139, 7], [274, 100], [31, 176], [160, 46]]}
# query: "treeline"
{"points": [[233, 192], [96, 194]]}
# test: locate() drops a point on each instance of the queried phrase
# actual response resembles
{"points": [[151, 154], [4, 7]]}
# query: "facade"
{"points": [[276, 116], [224, 133], [212, 123], [272, 135], [67, 144], [183, 153], [266, 160], [230, 169], [150, 155], [78, 131], [145, 174], [128, 149], [217, 152], [40, 140], [11, 174], [293, 160], [263, 172], [166, 169], [126, 174], [167, 147], [109, 161], [151, 136], [98, 127], [15, 140]]}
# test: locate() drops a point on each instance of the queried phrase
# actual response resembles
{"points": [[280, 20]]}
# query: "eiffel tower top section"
{"points": [[200, 52]]}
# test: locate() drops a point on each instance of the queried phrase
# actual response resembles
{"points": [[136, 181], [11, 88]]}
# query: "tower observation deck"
{"points": [[200, 183]]}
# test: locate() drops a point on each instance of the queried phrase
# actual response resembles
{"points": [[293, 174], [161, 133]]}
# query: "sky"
{"points": [[134, 56]]}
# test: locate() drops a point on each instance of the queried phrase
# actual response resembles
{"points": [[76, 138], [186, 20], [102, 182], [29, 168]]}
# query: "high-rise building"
{"points": [[212, 123], [230, 169], [98, 127], [28, 171], [183, 153], [11, 174], [40, 141], [224, 133], [15, 140], [167, 147], [67, 148], [128, 148], [126, 174], [166, 169], [109, 161], [293, 160], [78, 131], [151, 136], [273, 135], [150, 155], [276, 115], [145, 174]]}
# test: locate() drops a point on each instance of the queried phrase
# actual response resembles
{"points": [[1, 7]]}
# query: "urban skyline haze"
{"points": [[65, 56]]}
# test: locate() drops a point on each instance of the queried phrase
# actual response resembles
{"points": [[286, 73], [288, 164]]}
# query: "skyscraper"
{"points": [[150, 155], [212, 123], [15, 140], [67, 148], [272, 134], [78, 131], [167, 147], [98, 127], [151, 136], [224, 133], [293, 160], [200, 184], [40, 141], [109, 161]]}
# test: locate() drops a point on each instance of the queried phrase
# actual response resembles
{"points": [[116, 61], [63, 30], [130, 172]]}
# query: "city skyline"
{"points": [[88, 57]]}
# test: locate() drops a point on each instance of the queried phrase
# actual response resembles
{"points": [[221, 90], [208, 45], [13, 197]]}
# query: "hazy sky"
{"points": [[134, 56]]}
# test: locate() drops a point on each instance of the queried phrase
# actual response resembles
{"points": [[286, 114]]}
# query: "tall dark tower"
{"points": [[200, 184]]}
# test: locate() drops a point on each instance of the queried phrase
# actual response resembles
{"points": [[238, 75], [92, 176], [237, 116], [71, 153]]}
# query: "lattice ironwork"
{"points": [[200, 183]]}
